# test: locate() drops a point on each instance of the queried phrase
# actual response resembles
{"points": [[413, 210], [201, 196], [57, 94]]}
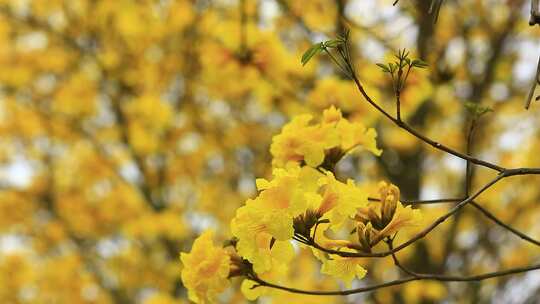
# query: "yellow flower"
{"points": [[340, 201], [302, 141], [299, 141], [255, 240], [206, 270], [387, 216], [404, 217], [264, 225], [344, 268], [325, 242], [251, 293], [356, 135]]}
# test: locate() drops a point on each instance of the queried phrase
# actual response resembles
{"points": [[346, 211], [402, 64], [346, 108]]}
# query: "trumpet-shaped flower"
{"points": [[344, 268], [340, 201], [206, 270], [256, 240], [404, 217], [264, 225], [302, 141], [251, 291], [386, 217]]}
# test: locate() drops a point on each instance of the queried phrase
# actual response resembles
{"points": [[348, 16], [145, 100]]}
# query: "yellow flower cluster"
{"points": [[324, 143], [265, 225], [301, 202]]}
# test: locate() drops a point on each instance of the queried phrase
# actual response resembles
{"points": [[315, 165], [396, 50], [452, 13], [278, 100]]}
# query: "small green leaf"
{"points": [[419, 64], [402, 64], [383, 67], [332, 43], [477, 110], [402, 54], [312, 51]]}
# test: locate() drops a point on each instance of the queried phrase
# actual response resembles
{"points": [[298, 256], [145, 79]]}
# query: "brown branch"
{"points": [[504, 225], [457, 278], [409, 129], [423, 202], [416, 277], [420, 136]]}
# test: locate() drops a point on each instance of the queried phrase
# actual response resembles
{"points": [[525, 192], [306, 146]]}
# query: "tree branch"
{"points": [[416, 277]]}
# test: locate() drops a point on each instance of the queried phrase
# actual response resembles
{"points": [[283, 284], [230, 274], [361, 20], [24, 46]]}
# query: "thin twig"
{"points": [[423, 202], [336, 62], [420, 136], [533, 87], [504, 225], [426, 277]]}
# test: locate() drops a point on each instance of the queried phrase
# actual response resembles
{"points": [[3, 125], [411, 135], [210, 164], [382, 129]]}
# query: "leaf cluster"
{"points": [[477, 110], [322, 46], [400, 68]]}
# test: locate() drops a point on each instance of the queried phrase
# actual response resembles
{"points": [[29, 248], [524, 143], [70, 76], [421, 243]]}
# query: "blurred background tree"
{"points": [[127, 127]]}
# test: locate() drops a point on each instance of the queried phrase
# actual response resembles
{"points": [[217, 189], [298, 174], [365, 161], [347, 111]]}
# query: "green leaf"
{"points": [[332, 43], [419, 64], [312, 51], [477, 110], [402, 54], [383, 67], [393, 67], [402, 64]]}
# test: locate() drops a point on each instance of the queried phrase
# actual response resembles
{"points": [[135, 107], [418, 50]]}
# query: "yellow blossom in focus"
{"points": [[270, 216], [252, 293], [387, 216], [346, 269], [340, 201], [206, 269], [327, 141], [403, 218]]}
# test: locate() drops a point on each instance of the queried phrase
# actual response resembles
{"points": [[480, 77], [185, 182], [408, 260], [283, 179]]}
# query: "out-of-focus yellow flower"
{"points": [[325, 142], [424, 291], [340, 93], [206, 269], [162, 298]]}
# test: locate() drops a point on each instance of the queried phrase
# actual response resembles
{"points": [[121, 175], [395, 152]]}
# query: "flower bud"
{"points": [[362, 216], [388, 209], [393, 190], [365, 232], [383, 191], [375, 219]]}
